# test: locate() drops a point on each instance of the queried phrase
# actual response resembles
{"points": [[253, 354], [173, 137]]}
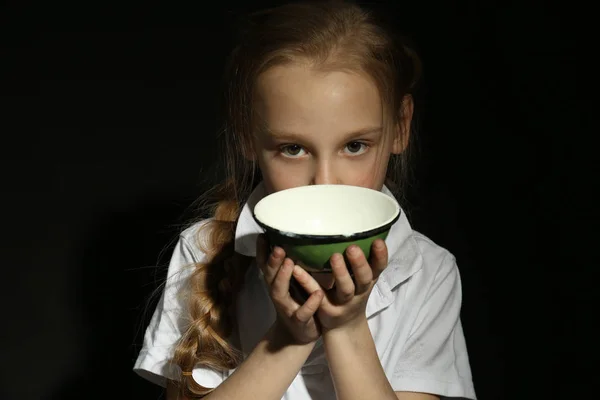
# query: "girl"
{"points": [[319, 93]]}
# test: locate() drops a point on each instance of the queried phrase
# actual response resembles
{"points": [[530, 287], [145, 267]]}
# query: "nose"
{"points": [[324, 173]]}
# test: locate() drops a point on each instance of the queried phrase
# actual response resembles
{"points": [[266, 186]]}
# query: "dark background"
{"points": [[109, 114]]}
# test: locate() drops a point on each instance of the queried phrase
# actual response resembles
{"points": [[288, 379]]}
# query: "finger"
{"points": [[363, 274], [344, 286], [308, 283], [379, 257], [274, 263], [280, 289], [269, 263], [310, 307]]}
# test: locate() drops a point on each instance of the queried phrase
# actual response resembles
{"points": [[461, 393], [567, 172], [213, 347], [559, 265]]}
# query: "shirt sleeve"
{"points": [[168, 323], [434, 358]]}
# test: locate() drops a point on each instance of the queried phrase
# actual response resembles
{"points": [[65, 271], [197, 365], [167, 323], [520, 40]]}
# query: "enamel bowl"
{"points": [[311, 223]]}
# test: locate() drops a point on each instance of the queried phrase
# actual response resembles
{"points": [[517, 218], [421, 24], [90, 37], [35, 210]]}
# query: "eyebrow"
{"points": [[294, 136]]}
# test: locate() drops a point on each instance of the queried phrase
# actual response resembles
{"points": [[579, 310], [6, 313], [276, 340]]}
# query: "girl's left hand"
{"points": [[344, 306]]}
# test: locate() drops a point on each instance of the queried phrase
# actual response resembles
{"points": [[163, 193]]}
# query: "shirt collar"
{"points": [[404, 257], [247, 229]]}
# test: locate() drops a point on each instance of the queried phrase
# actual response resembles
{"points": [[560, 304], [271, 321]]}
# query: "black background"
{"points": [[109, 115]]}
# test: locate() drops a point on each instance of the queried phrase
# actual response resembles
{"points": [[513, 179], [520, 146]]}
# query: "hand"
{"points": [[344, 306], [299, 319]]}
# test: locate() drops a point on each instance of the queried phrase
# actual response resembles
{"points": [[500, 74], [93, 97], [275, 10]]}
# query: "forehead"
{"points": [[299, 97]]}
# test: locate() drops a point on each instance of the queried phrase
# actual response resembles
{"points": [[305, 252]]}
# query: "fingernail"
{"points": [[378, 244], [353, 250], [277, 251]]}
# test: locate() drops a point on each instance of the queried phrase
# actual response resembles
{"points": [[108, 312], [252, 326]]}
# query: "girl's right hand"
{"points": [[298, 319]]}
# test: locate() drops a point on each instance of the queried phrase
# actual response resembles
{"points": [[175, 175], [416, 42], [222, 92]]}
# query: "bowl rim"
{"points": [[332, 238]]}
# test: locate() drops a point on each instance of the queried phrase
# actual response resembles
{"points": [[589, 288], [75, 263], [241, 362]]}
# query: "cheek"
{"points": [[278, 177], [370, 173]]}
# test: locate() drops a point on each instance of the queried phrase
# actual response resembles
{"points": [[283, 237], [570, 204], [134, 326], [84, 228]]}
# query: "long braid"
{"points": [[213, 289]]}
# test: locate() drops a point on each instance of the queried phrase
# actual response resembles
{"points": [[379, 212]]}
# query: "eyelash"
{"points": [[364, 148]]}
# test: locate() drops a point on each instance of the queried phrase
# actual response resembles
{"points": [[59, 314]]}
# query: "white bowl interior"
{"points": [[326, 210]]}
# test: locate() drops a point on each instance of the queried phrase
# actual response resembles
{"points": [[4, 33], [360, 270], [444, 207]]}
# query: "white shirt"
{"points": [[413, 314]]}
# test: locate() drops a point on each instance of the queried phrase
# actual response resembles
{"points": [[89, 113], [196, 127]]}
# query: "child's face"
{"points": [[320, 128]]}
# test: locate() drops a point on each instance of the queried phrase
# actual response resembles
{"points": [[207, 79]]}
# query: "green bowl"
{"points": [[311, 223]]}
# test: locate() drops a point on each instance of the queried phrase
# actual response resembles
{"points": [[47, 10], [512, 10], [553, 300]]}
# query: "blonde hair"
{"points": [[332, 35]]}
